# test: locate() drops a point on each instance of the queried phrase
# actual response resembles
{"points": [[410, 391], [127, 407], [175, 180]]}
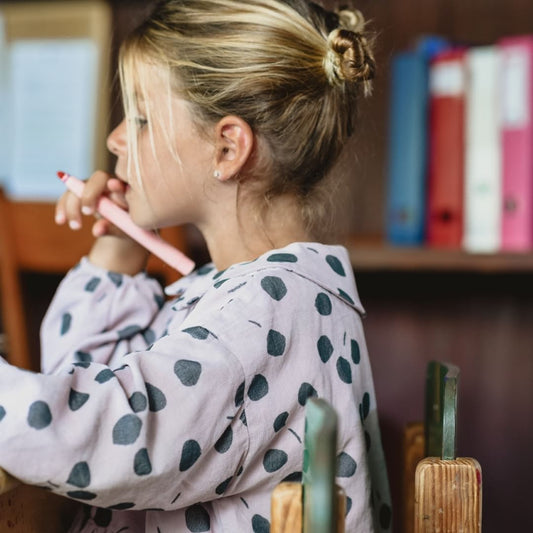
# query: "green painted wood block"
{"points": [[319, 467], [441, 410]]}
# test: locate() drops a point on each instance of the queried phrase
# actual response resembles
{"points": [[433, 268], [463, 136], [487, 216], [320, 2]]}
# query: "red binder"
{"points": [[446, 149], [517, 142]]}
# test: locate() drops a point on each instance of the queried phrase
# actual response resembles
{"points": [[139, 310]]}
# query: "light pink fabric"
{"points": [[195, 407]]}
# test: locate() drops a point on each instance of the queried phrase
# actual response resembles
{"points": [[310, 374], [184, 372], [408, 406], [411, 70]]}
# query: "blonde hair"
{"points": [[292, 70]]}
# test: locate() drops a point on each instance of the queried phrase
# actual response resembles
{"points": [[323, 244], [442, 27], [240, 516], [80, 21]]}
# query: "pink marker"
{"points": [[122, 220]]}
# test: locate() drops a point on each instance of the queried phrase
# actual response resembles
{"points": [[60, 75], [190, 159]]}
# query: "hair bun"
{"points": [[349, 57], [351, 20]]}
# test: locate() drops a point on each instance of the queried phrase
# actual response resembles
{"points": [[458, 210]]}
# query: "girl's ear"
{"points": [[233, 146]]}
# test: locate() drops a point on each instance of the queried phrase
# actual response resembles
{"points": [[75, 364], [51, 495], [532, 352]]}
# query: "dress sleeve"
{"points": [[98, 316], [164, 430]]}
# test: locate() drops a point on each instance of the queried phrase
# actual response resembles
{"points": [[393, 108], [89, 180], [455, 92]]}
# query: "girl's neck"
{"points": [[234, 239]]}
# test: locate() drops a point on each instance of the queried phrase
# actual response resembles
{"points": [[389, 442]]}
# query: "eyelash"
{"points": [[140, 122]]}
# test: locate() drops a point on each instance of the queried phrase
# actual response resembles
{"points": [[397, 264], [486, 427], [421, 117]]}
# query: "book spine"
{"points": [[407, 149], [446, 152], [483, 175], [517, 143]]}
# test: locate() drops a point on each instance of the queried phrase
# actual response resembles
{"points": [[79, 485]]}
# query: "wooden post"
{"points": [[448, 485]]}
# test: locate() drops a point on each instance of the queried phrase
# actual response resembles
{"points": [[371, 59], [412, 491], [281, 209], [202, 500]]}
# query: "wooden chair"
{"points": [[317, 504], [446, 496], [27, 509], [31, 241]]}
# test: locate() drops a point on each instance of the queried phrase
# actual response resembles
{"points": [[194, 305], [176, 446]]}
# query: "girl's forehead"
{"points": [[146, 80]]}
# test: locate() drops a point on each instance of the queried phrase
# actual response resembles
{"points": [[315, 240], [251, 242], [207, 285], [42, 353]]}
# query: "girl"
{"points": [[182, 416]]}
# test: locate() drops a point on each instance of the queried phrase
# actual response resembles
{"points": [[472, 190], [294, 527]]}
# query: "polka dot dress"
{"points": [[181, 414]]}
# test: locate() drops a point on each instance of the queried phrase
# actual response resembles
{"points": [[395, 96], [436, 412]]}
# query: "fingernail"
{"points": [[74, 224], [86, 210], [60, 218]]}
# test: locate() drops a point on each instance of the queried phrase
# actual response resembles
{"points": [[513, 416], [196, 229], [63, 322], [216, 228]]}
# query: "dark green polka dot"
{"points": [[282, 258], [81, 495], [356, 352], [385, 516], [129, 332], [219, 283], [102, 517], [336, 265], [294, 476], [221, 489], [149, 336], [258, 388], [260, 524], [80, 475], [197, 519], [156, 398], [141, 463], [242, 418], [127, 429], [104, 375], [83, 357], [346, 466], [188, 372], [280, 421], [159, 300], [323, 304], [275, 343], [274, 287], [239, 395], [202, 271], [197, 332], [66, 321], [364, 407], [116, 278], [349, 503], [325, 348], [76, 399], [190, 453], [92, 284], [346, 296], [138, 402], [344, 370], [218, 274], [306, 390], [2, 412], [223, 444], [39, 415], [85, 364], [274, 460], [122, 506]]}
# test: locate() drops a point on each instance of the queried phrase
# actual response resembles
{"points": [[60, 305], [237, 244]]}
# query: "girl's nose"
{"points": [[117, 141]]}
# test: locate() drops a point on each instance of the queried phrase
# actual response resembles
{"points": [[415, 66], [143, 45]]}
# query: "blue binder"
{"points": [[407, 143]]}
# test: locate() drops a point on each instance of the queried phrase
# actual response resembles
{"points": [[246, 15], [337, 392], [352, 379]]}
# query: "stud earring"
{"points": [[217, 175]]}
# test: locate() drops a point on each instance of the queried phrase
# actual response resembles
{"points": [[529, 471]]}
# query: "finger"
{"points": [[60, 216], [117, 191], [101, 227], [95, 186], [71, 206]]}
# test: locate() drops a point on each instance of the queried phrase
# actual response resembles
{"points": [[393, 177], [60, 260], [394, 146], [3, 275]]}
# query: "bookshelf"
{"points": [[473, 310]]}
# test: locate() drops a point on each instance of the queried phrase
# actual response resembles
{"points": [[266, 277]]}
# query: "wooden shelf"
{"points": [[384, 257]]}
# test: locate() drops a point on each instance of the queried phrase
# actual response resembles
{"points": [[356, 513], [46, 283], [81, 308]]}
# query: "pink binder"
{"points": [[517, 142]]}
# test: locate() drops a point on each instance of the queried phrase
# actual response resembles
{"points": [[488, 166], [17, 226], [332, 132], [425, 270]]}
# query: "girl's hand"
{"points": [[113, 250]]}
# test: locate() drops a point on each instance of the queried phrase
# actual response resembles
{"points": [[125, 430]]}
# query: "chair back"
{"points": [[317, 504], [447, 488], [319, 467]]}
